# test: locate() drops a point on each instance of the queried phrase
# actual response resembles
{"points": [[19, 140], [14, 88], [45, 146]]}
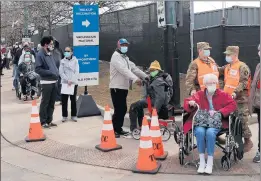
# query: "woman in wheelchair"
{"points": [[27, 74], [213, 106]]}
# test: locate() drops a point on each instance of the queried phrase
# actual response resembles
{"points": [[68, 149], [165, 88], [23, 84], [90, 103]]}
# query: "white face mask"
{"points": [[228, 59], [211, 89], [206, 53], [259, 53]]}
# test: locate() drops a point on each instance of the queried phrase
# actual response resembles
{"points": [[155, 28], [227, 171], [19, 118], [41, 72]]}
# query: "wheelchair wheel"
{"points": [[225, 162], [176, 133], [165, 133], [136, 134], [181, 156]]}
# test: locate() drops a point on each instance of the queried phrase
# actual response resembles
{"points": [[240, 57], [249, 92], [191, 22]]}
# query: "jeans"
{"points": [[16, 75], [65, 103], [206, 136], [136, 113], [47, 103], [119, 100]]}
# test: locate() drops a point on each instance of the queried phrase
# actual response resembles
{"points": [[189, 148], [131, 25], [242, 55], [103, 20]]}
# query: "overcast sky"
{"points": [[200, 6]]}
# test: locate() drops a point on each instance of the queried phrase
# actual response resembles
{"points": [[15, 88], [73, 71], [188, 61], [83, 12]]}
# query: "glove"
{"points": [[192, 103], [234, 95], [192, 92]]}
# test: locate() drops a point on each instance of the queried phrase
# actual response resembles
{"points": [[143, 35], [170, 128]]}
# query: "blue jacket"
{"points": [[45, 66]]}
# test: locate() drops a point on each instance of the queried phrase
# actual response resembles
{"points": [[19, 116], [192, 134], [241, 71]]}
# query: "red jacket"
{"points": [[222, 102]]}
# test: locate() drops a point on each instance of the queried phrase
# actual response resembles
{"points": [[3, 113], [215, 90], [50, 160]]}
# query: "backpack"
{"points": [[169, 85]]}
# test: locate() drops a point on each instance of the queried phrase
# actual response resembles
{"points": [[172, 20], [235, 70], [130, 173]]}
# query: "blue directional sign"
{"points": [[86, 42], [85, 18], [88, 57]]}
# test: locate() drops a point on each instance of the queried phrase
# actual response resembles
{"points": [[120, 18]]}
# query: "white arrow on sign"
{"points": [[86, 23]]}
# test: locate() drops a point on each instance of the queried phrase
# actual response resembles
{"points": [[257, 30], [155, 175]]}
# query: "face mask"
{"points": [[228, 59], [206, 53], [154, 73], [259, 53], [27, 53], [124, 49], [50, 48], [16, 46], [27, 60], [211, 89], [67, 54]]}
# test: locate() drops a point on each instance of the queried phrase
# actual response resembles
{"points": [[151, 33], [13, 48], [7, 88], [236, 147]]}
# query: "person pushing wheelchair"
{"points": [[159, 87]]}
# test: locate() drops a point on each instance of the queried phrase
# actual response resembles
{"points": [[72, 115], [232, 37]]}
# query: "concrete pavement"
{"points": [[71, 139]]}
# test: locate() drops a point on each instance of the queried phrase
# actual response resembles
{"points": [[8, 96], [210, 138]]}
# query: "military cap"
{"points": [[232, 50], [203, 45]]}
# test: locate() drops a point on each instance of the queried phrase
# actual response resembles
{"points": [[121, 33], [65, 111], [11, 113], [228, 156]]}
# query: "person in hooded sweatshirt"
{"points": [[49, 74], [58, 56], [69, 72]]}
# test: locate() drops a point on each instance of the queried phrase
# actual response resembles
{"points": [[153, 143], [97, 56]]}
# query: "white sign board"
{"points": [[161, 14], [26, 40], [85, 38], [91, 78]]}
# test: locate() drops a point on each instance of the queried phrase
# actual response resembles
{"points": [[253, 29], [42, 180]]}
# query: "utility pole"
{"points": [[191, 29], [25, 18]]}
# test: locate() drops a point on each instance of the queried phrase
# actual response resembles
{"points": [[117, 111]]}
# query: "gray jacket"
{"points": [[122, 71], [157, 92], [69, 70]]}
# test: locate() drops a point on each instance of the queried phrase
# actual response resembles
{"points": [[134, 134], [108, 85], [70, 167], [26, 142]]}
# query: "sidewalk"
{"points": [[74, 143]]}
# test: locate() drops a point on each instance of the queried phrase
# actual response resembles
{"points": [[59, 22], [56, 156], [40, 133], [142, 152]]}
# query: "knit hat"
{"points": [[155, 65]]}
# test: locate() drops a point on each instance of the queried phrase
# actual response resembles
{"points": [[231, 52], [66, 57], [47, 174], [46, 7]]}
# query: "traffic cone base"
{"points": [[154, 171], [162, 157], [35, 140], [118, 147]]}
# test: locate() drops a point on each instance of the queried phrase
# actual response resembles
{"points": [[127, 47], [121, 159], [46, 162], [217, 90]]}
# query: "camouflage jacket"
{"points": [[242, 89], [191, 82]]}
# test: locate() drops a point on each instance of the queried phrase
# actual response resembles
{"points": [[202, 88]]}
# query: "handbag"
{"points": [[204, 119]]}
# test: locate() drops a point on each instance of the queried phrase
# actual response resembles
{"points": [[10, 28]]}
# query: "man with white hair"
{"points": [[214, 106]]}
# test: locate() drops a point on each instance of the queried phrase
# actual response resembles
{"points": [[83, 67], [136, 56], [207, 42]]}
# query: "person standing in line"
{"points": [[254, 103], [46, 68], [123, 73], [69, 72], [237, 80], [58, 56]]}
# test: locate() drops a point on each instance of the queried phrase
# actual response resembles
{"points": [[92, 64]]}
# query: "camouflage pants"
{"points": [[243, 114]]}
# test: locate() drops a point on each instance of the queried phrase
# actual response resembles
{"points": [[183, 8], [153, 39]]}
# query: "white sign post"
{"points": [[161, 13]]}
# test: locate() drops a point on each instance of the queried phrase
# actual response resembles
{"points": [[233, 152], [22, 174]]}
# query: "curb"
{"points": [[178, 119]]}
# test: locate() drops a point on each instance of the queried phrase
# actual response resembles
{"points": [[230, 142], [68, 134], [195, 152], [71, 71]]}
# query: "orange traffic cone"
{"points": [[108, 141], [146, 160], [158, 146], [35, 130]]}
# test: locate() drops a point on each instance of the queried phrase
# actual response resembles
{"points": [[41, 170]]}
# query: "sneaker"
{"points": [[64, 119], [125, 133], [117, 135], [52, 124], [45, 125], [129, 136], [74, 118], [201, 168], [208, 169], [256, 159]]}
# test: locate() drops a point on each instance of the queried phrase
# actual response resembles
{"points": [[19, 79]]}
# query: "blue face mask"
{"points": [[228, 59], [124, 49], [67, 54], [206, 53]]}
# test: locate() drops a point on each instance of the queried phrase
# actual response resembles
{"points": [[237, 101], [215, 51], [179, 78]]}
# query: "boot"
{"points": [[248, 145]]}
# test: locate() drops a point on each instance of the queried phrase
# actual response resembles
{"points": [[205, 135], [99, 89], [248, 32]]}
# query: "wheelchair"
{"points": [[233, 149], [28, 75]]}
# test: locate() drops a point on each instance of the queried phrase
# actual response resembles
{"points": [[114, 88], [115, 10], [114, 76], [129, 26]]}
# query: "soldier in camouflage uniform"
{"points": [[192, 80], [237, 83], [201, 66]]}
